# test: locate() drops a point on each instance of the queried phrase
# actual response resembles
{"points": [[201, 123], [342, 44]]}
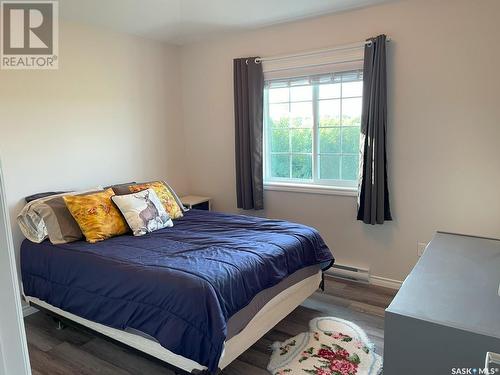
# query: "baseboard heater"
{"points": [[349, 272]]}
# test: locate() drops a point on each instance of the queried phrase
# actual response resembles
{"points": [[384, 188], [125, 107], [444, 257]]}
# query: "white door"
{"points": [[14, 359]]}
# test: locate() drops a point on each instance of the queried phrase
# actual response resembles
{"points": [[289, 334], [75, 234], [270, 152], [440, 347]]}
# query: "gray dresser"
{"points": [[446, 314]]}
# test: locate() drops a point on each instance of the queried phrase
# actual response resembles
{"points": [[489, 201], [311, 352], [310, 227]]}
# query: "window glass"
{"points": [[312, 129]]}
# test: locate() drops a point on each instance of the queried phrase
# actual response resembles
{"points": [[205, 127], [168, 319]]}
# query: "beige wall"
{"points": [[444, 125], [111, 113]]}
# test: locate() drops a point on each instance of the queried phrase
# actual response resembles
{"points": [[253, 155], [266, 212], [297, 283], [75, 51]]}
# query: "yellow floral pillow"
{"points": [[166, 197], [96, 215]]}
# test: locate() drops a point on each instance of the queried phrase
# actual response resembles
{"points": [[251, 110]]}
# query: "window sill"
{"points": [[311, 189]]}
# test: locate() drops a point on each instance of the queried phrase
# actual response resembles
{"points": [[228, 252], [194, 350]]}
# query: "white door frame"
{"points": [[2, 366], [14, 357]]}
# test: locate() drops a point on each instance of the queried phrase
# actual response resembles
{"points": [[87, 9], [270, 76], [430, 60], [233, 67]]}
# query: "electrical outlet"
{"points": [[421, 248]]}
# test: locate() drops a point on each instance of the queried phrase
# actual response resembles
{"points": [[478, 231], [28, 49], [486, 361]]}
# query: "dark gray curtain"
{"points": [[248, 107], [373, 196]]}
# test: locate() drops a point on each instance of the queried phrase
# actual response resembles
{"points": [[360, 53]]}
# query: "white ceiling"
{"points": [[184, 21]]}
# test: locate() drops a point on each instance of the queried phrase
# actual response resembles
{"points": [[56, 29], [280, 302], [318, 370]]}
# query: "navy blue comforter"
{"points": [[179, 285]]}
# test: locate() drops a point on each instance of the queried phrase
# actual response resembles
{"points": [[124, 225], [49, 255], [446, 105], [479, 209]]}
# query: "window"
{"points": [[312, 128]]}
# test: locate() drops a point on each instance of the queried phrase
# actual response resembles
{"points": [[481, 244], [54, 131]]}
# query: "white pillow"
{"points": [[143, 211]]}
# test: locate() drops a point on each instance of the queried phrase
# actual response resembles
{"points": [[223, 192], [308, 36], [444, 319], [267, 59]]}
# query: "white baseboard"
{"points": [[385, 282], [28, 310]]}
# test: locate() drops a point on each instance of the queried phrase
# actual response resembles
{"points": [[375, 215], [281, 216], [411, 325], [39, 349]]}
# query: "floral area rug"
{"points": [[331, 347]]}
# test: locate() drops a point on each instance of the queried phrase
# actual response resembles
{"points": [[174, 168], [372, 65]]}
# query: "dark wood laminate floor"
{"points": [[76, 351]]}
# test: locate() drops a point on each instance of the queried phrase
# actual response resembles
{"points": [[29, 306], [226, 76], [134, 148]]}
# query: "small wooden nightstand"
{"points": [[197, 202]]}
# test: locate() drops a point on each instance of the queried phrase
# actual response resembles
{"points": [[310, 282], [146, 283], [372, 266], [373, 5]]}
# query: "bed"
{"points": [[196, 295]]}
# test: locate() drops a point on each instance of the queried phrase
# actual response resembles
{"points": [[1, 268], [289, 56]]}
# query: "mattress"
{"points": [[179, 285]]}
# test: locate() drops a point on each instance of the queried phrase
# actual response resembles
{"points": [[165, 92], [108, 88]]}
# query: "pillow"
{"points": [[143, 211], [123, 189], [167, 196], [96, 215], [31, 224], [36, 196], [118, 186], [61, 226], [177, 199], [39, 221]]}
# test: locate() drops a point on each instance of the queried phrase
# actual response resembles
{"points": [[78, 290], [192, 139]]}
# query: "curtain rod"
{"points": [[317, 52]]}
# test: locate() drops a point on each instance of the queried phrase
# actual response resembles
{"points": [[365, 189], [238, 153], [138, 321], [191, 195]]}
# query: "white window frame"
{"points": [[316, 185]]}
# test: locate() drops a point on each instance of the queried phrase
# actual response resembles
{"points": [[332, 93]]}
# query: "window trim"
{"points": [[310, 188], [316, 184]]}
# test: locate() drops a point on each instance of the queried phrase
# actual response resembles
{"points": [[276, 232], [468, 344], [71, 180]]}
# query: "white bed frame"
{"points": [[272, 313]]}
